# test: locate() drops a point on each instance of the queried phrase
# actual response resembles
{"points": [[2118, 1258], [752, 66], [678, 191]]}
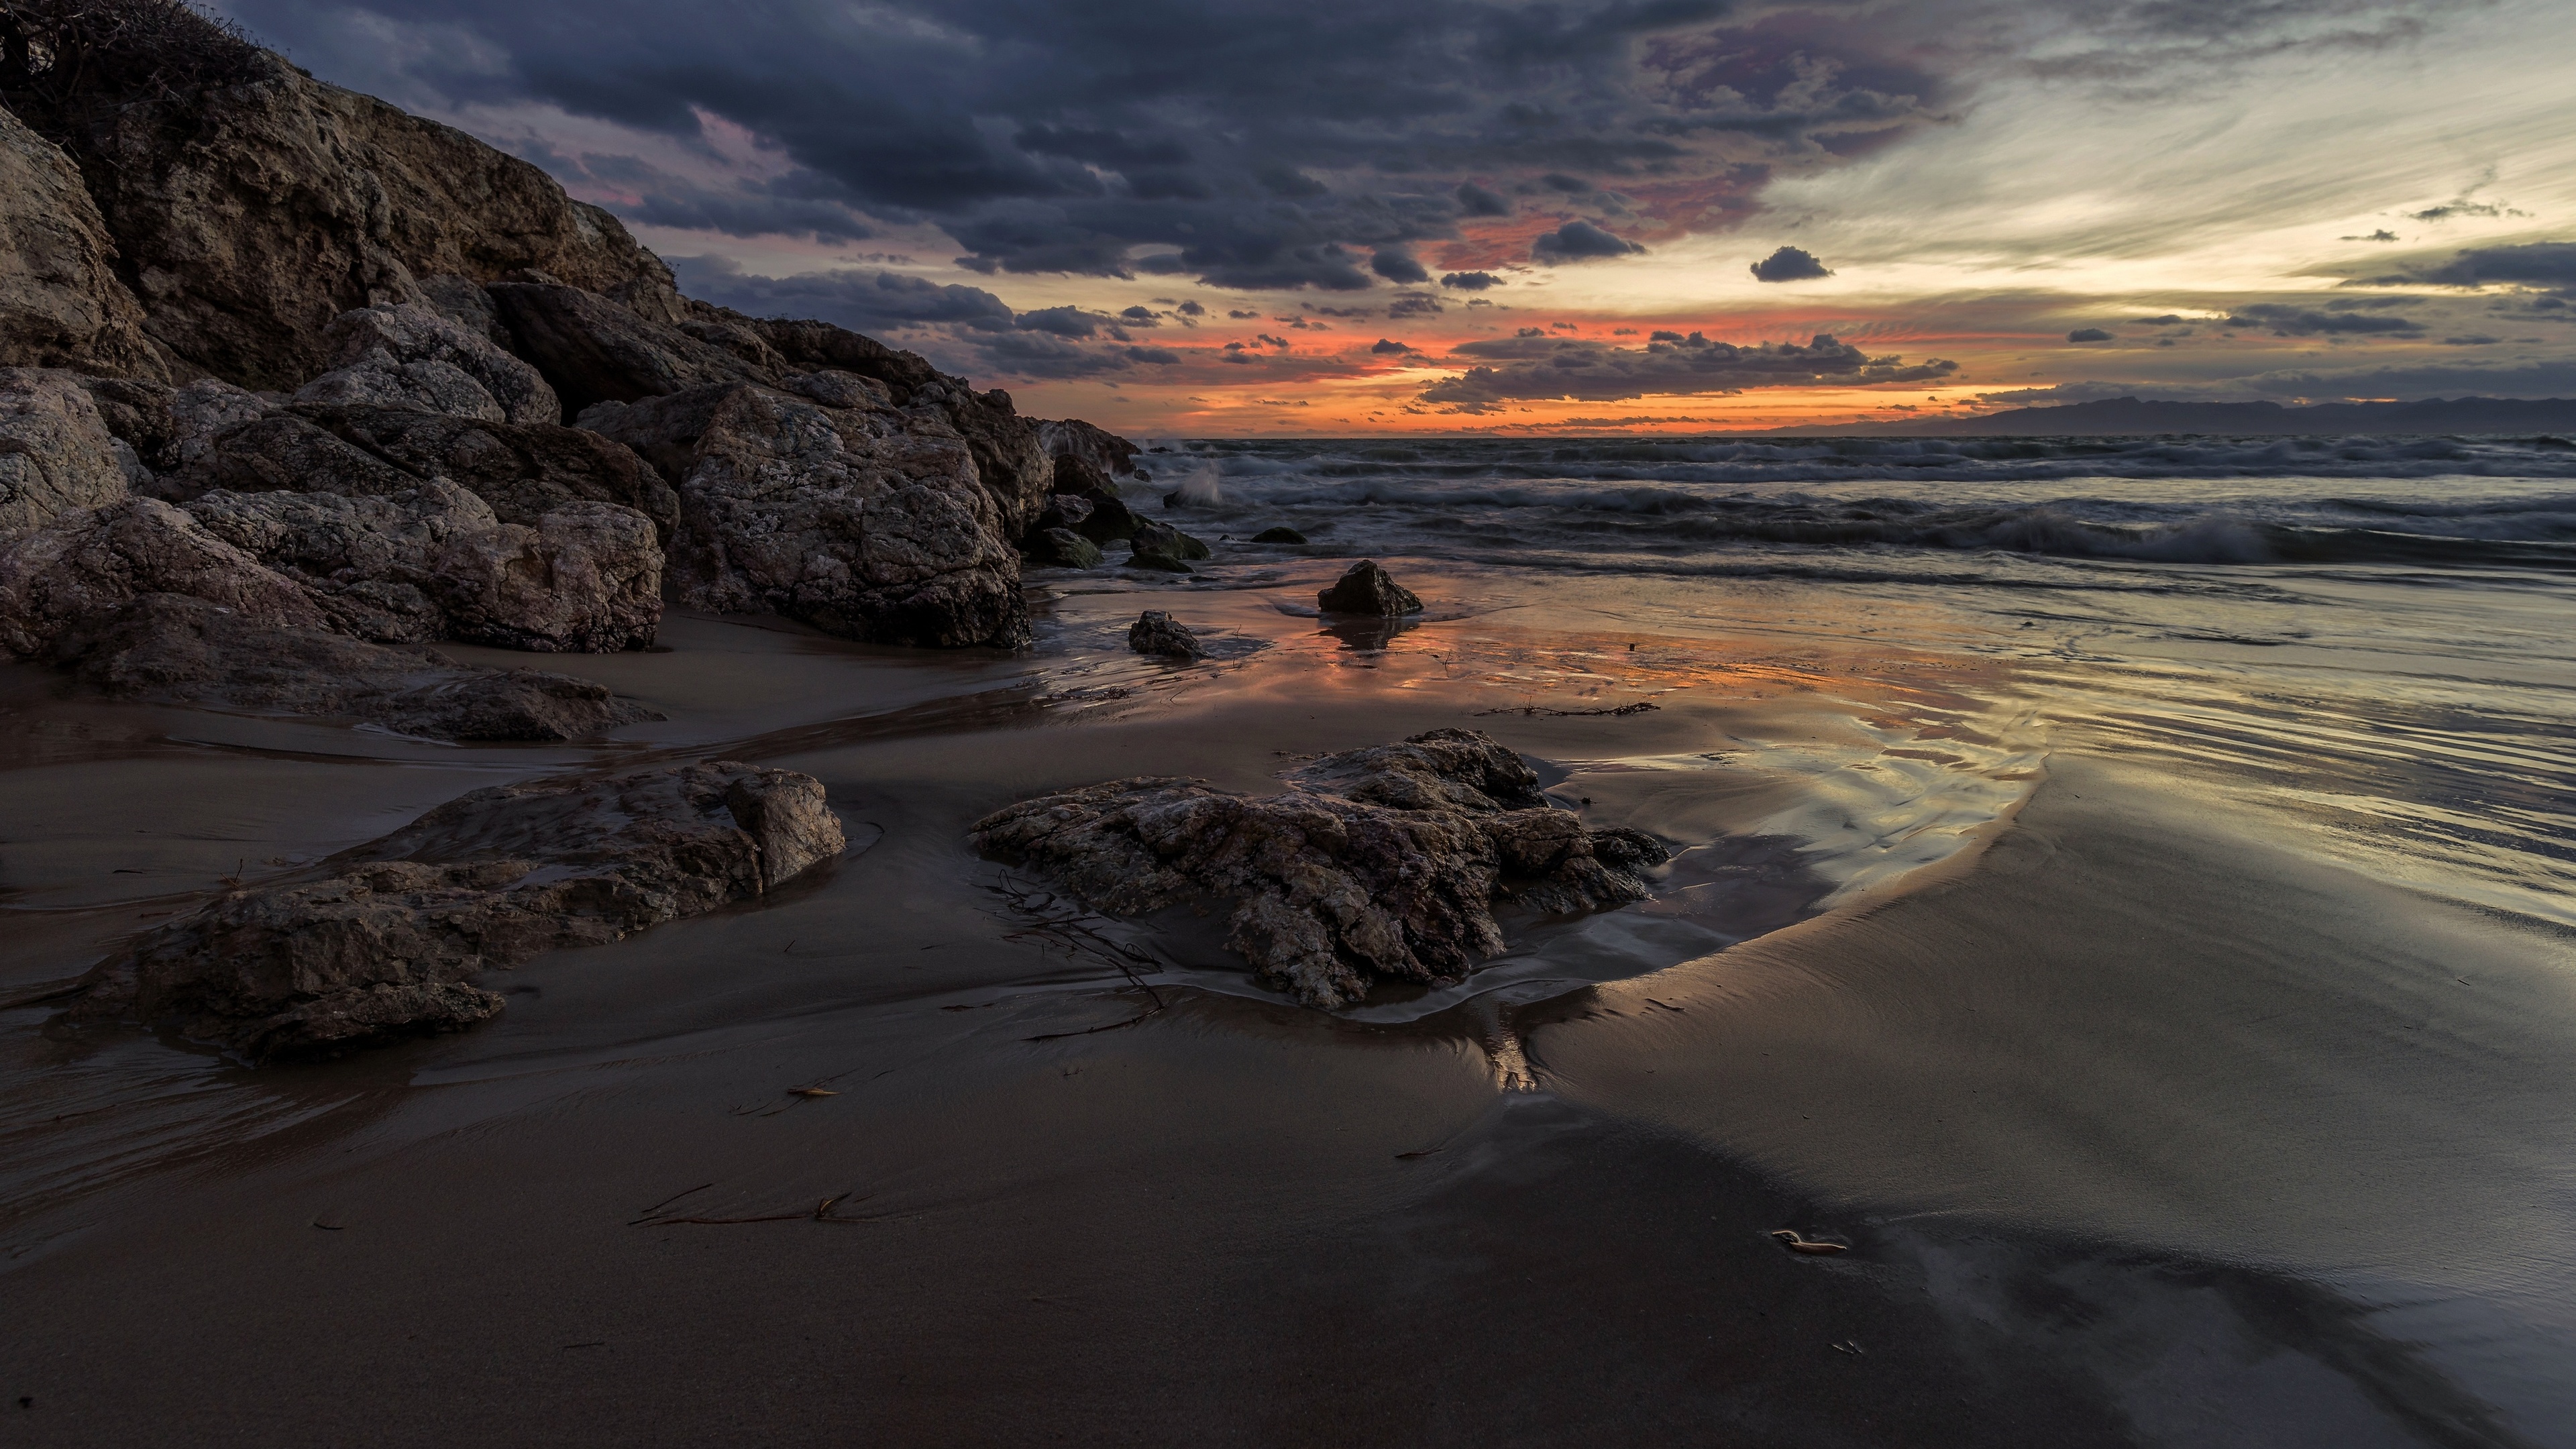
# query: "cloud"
{"points": [[2088, 334], [1417, 304], [2545, 265], [1385, 348], [1578, 241], [2381, 235], [1528, 367], [1094, 139], [1789, 264], [1471, 281], [2551, 378], [2289, 321], [1397, 265]]}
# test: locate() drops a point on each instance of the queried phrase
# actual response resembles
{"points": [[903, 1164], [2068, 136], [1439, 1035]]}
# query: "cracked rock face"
{"points": [[827, 503], [408, 356], [1380, 862], [56, 453], [61, 304], [384, 940]]}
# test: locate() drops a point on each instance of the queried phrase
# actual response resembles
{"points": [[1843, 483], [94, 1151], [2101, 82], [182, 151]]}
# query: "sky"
{"points": [[1255, 217]]}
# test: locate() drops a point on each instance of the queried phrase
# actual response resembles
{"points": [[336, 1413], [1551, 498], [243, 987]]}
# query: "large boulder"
{"points": [[61, 303], [409, 356], [251, 204], [832, 505], [433, 562], [385, 940], [56, 454], [171, 648], [1379, 862], [91, 562]]}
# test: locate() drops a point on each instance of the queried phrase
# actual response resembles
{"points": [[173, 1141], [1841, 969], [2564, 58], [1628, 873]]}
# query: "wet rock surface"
{"points": [[1368, 590], [1165, 541], [1279, 535], [1386, 862], [1093, 451], [385, 940], [1156, 632]]}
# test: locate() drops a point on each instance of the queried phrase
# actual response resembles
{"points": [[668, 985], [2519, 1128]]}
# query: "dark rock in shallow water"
{"points": [[1157, 562], [384, 940], [1367, 589], [1162, 538], [187, 651], [1380, 862], [1109, 521], [1156, 632], [1279, 535], [1063, 548]]}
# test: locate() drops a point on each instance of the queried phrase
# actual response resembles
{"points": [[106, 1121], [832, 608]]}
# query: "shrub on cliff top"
{"points": [[64, 63]]}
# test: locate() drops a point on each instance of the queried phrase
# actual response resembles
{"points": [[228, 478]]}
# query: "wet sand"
{"points": [[2035, 1030]]}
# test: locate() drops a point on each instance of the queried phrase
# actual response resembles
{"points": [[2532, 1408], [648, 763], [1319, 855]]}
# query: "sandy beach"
{"points": [[2047, 1059]]}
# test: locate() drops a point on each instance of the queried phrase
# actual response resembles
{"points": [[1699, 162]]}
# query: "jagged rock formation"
{"points": [[61, 304], [440, 312], [251, 204], [1378, 862], [55, 453], [385, 940]]}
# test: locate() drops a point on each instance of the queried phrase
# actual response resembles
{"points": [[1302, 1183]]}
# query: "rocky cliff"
{"points": [[222, 279]]}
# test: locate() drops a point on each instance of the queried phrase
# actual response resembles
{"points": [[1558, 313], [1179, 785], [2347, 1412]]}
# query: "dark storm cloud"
{"points": [[1248, 143], [2288, 321], [1536, 366], [1470, 281], [1580, 241], [2540, 265], [1397, 265], [1789, 264]]}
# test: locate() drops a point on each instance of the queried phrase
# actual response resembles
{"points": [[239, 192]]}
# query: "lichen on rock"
{"points": [[1386, 862]]}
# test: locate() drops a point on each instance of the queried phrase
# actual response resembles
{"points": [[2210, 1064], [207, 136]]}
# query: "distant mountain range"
{"points": [[2133, 415]]}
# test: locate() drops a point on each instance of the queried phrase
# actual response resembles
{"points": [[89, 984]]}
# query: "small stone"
{"points": [[1155, 632], [1367, 589], [1279, 535]]}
